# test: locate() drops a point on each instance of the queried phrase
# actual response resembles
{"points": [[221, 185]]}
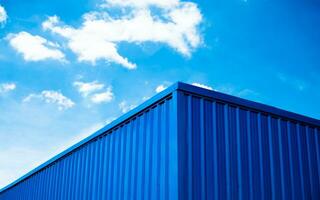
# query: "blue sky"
{"points": [[69, 67]]}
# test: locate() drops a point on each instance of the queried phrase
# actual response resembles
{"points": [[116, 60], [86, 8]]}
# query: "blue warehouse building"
{"points": [[186, 143]]}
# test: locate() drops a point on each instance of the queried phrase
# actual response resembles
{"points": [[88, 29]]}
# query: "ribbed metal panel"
{"points": [[235, 152], [186, 143], [135, 160]]}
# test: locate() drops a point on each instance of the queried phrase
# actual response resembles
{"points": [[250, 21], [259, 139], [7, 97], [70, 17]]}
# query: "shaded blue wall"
{"points": [[235, 152]]}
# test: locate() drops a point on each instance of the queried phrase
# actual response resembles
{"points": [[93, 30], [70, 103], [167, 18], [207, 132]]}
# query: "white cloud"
{"points": [[110, 119], [202, 86], [174, 24], [3, 15], [53, 97], [160, 88], [125, 107], [7, 87], [229, 89], [102, 97], [35, 48], [95, 91], [86, 88], [142, 3]]}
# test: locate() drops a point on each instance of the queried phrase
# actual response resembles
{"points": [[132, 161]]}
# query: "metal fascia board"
{"points": [[248, 104]]}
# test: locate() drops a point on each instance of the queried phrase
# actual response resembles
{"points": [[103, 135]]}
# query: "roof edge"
{"points": [[247, 103]]}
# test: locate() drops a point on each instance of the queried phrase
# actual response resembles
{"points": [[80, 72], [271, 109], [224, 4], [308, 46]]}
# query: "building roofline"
{"points": [[248, 104], [177, 86]]}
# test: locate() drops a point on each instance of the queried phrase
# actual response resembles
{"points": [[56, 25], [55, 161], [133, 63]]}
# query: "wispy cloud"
{"points": [[3, 15], [164, 85], [239, 92], [34, 47], [51, 97], [7, 87], [294, 82], [110, 119], [202, 86], [160, 88], [174, 23], [125, 107], [96, 92], [229, 89], [102, 97], [86, 88], [166, 4]]}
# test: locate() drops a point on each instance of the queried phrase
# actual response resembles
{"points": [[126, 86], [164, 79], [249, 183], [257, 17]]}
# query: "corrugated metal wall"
{"points": [[189, 147], [135, 160], [232, 152]]}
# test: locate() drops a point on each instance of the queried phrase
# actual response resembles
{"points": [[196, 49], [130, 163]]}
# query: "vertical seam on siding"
{"points": [[273, 190], [166, 148], [175, 171], [309, 160], [239, 153], [261, 157], [249, 153], [202, 151], [189, 149], [227, 148], [318, 152], [215, 153], [281, 159], [300, 160], [290, 158]]}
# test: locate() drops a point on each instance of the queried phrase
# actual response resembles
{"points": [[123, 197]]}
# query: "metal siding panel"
{"points": [[317, 141], [208, 148], [153, 133], [255, 154], [139, 159], [305, 167], [286, 169], [274, 146], [250, 165], [233, 156], [189, 149], [244, 155], [196, 171], [260, 142], [234, 152], [149, 156], [187, 146], [115, 183], [312, 162], [135, 160], [182, 147], [127, 160]]}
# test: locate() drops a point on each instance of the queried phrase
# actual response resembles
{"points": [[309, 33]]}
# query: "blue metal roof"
{"points": [[182, 87]]}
